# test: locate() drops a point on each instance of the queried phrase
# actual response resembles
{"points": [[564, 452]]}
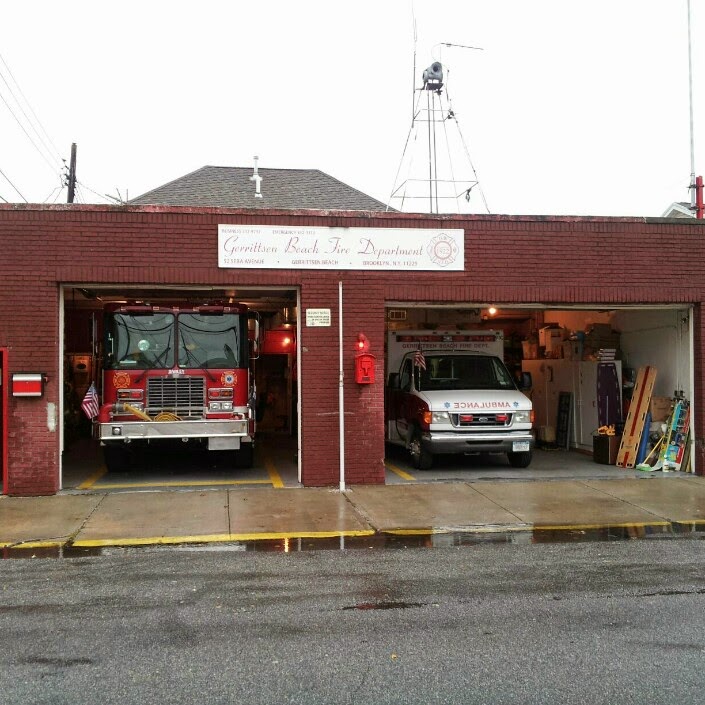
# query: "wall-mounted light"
{"points": [[362, 344], [492, 311]]}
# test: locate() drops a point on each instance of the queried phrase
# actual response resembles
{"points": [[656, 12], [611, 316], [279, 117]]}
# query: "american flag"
{"points": [[419, 359], [90, 404]]}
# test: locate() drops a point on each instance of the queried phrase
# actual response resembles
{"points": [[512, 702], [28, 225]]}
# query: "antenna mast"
{"points": [[696, 183], [427, 172]]}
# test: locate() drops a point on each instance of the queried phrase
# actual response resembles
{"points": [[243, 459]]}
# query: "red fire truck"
{"points": [[177, 373]]}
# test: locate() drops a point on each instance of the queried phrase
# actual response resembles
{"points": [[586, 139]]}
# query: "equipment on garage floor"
{"points": [[674, 446], [636, 417]]}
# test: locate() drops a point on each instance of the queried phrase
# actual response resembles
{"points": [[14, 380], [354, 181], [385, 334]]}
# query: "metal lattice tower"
{"points": [[436, 174]]}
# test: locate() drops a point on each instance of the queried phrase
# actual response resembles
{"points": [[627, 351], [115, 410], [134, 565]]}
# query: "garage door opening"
{"points": [[579, 366], [201, 387]]}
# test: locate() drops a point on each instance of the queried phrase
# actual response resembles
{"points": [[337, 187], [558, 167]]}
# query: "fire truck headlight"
{"points": [[440, 417], [116, 430], [226, 406], [214, 406]]}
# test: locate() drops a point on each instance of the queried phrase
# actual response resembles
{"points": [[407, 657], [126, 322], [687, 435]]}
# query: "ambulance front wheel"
{"points": [[421, 458], [520, 460]]}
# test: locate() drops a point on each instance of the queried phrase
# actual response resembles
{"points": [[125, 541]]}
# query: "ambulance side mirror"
{"points": [[525, 382]]}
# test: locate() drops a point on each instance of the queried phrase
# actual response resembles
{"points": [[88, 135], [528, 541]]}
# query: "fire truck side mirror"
{"points": [[364, 368], [253, 335]]}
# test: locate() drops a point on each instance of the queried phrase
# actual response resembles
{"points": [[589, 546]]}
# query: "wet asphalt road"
{"points": [[598, 623]]}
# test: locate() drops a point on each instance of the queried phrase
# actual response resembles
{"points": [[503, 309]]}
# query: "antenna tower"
{"points": [[436, 174]]}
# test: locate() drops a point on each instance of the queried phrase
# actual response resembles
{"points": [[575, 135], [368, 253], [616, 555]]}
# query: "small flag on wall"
{"points": [[90, 404]]}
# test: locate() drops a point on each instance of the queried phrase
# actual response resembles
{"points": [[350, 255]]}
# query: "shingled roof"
{"points": [[232, 187]]}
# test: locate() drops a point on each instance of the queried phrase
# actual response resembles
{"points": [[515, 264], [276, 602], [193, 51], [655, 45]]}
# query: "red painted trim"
{"points": [[4, 391]]}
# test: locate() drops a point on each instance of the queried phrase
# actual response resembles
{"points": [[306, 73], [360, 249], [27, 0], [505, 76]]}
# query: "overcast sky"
{"points": [[571, 107]]}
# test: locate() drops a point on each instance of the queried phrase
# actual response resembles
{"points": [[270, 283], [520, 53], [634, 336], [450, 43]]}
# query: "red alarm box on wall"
{"points": [[364, 368]]}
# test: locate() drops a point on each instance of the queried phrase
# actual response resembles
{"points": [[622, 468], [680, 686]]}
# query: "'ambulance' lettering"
{"points": [[481, 405]]}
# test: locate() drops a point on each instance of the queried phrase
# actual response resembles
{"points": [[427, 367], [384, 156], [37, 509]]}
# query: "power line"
{"points": [[31, 110], [100, 195], [41, 154], [13, 186]]}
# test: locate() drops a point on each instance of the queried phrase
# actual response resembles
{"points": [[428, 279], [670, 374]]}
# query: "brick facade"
{"points": [[509, 260]]}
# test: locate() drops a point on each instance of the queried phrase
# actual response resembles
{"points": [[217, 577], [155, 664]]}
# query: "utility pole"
{"points": [[72, 174]]}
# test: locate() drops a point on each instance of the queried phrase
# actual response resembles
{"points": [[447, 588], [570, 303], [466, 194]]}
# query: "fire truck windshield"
{"points": [[139, 341], [209, 341]]}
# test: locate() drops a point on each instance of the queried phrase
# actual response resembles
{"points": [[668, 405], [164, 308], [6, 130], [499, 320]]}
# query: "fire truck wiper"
{"points": [[157, 362], [199, 364]]}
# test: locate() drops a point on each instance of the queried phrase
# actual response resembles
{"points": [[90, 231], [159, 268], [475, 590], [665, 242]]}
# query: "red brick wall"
{"points": [[509, 260]]}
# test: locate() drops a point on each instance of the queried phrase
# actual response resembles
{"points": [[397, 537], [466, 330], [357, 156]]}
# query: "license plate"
{"points": [[521, 446]]}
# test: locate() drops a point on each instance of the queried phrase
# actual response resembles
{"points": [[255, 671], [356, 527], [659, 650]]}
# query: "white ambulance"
{"points": [[450, 392]]}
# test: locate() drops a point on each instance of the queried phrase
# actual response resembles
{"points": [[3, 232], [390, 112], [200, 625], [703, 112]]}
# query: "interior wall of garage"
{"points": [[660, 338], [550, 261]]}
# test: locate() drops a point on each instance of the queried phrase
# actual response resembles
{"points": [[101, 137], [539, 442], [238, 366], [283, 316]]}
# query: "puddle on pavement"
{"points": [[385, 541], [384, 605]]}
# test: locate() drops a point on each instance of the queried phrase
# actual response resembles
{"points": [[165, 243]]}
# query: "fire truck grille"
{"points": [[183, 396]]}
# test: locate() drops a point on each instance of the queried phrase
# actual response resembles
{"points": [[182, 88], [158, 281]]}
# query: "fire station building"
{"points": [[323, 265]]}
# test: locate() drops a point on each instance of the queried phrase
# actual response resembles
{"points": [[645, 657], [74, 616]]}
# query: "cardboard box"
{"points": [[530, 351], [550, 338], [660, 408], [605, 449], [572, 350]]}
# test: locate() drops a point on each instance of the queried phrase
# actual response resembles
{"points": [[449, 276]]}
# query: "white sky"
{"points": [[572, 107]]}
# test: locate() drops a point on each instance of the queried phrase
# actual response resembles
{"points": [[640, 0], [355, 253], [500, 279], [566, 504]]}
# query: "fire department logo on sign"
{"points": [[121, 380], [228, 379], [442, 250]]}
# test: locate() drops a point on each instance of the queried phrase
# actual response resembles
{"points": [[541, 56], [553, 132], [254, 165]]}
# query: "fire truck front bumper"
{"points": [[440, 442], [127, 431]]}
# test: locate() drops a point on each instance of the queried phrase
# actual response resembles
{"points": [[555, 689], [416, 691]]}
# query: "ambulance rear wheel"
{"points": [[420, 458]]}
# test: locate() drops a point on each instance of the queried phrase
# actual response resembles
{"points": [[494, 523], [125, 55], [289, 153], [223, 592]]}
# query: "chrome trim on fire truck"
{"points": [[173, 429]]}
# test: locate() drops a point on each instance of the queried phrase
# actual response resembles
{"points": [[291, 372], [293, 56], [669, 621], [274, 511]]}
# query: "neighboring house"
{"points": [[241, 187], [679, 209]]}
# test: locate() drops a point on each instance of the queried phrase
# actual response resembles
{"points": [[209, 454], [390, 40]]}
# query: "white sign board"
{"points": [[400, 342], [289, 247], [318, 317]]}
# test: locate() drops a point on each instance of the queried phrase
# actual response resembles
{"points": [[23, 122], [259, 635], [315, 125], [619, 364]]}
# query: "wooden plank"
{"points": [[636, 417]]}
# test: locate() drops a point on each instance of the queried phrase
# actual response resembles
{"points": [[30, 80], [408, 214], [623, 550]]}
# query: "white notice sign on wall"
{"points": [[318, 317], [287, 247]]}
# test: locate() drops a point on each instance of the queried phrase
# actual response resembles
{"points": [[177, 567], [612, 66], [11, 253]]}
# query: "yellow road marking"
{"points": [[400, 472], [32, 544], [698, 522], [606, 525], [184, 483], [464, 530], [273, 473], [90, 481], [219, 538]]}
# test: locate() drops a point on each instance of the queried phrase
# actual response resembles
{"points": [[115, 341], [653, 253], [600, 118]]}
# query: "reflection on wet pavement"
{"points": [[537, 535]]}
